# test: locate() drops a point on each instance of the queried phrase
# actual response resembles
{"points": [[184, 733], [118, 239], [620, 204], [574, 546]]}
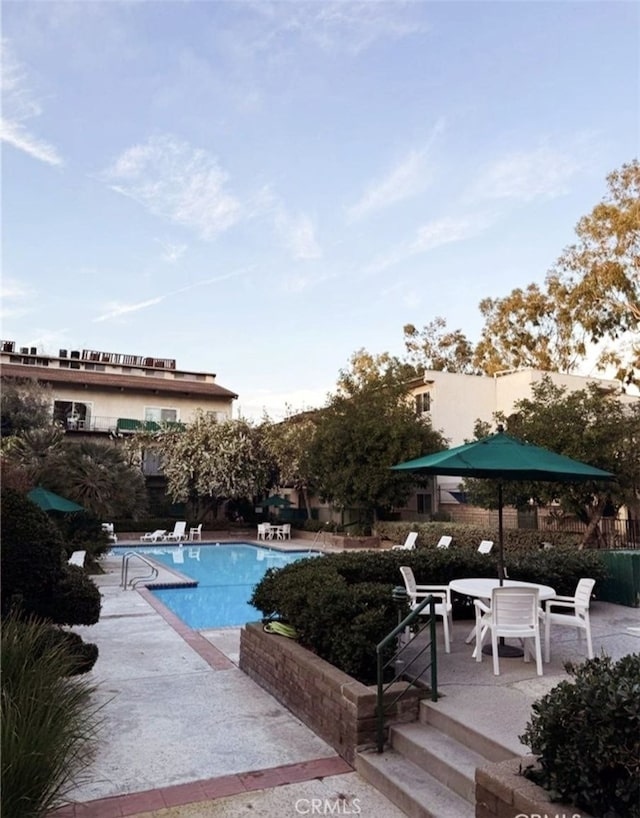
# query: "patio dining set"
{"points": [[269, 531], [507, 609]]}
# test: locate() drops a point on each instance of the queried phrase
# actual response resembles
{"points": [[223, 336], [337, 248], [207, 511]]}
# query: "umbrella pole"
{"points": [[500, 538]]}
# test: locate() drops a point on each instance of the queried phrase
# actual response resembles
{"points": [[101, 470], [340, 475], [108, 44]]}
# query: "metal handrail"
{"points": [[382, 666], [124, 570]]}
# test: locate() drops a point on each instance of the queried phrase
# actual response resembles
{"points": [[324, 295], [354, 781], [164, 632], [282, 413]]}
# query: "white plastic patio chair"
{"points": [[77, 558], [284, 531], [409, 544], [195, 533], [264, 531], [444, 541], [576, 616], [443, 607], [178, 533], [108, 529], [514, 613], [485, 546]]}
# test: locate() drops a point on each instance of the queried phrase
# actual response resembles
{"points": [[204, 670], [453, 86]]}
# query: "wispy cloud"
{"points": [[448, 230], [16, 299], [299, 235], [338, 26], [435, 234], [171, 252], [408, 178], [542, 173], [178, 182], [116, 310], [20, 105]]}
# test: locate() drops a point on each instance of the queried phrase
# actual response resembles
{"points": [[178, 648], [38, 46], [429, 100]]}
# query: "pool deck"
{"points": [[186, 734]]}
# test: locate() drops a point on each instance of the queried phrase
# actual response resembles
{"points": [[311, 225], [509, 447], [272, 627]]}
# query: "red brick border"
{"points": [[119, 806]]}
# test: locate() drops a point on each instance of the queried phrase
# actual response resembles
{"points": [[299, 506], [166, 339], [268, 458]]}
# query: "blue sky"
{"points": [[261, 189]]}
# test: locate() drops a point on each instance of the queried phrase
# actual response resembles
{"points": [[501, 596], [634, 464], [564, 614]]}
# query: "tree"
{"points": [[435, 348], [289, 443], [523, 330], [24, 405], [211, 459], [368, 426], [597, 280], [100, 477], [591, 297], [590, 425]]}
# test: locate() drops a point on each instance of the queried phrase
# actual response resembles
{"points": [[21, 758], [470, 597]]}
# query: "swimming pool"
{"points": [[226, 575]]}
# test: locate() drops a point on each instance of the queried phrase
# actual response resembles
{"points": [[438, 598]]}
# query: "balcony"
{"points": [[117, 426]]}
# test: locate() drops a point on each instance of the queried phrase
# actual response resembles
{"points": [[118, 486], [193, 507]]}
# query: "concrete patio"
{"points": [[186, 734]]}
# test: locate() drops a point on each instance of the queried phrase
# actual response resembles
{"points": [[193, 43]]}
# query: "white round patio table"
{"points": [[482, 588]]}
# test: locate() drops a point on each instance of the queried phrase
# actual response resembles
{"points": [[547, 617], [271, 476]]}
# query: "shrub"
{"points": [[339, 621], [31, 555], [35, 576], [586, 736], [77, 599], [83, 655], [48, 721], [341, 604]]}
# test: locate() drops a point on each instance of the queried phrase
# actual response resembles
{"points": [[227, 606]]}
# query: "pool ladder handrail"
{"points": [[124, 571]]}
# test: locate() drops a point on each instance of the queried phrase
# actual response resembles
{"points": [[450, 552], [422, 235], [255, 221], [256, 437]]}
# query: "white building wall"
{"points": [[458, 401]]}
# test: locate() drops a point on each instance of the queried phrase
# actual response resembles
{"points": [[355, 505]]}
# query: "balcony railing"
{"points": [[116, 426]]}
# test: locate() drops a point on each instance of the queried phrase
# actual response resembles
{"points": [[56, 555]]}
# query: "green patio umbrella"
{"points": [[276, 501], [503, 457], [48, 501]]}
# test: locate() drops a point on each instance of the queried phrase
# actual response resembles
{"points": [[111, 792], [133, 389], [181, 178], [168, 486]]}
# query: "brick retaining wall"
{"points": [[501, 792], [338, 708]]}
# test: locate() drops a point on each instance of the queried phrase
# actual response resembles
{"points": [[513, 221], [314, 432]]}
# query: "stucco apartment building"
{"points": [[454, 403], [106, 393]]}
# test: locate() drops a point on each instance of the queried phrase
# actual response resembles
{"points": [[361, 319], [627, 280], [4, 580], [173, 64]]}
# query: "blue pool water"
{"points": [[226, 575]]}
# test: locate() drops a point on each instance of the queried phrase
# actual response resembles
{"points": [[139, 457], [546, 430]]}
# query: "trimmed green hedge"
{"points": [[341, 604], [470, 535]]}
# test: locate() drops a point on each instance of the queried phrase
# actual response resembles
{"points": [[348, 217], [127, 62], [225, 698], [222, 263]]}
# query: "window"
{"points": [[423, 403], [72, 414], [160, 415], [424, 503]]}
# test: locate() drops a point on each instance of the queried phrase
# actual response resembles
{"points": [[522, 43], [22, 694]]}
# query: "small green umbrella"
{"points": [[503, 457], [48, 501], [276, 501]]}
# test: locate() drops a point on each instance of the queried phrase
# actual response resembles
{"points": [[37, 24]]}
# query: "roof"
{"points": [[105, 380]]}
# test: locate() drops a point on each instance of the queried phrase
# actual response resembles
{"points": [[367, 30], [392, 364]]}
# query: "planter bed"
{"points": [[334, 705]]}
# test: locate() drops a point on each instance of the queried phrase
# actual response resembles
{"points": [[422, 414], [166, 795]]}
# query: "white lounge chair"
{"points": [[443, 607], [576, 615], [178, 533], [444, 541], [77, 558], [154, 536], [409, 544], [485, 546]]}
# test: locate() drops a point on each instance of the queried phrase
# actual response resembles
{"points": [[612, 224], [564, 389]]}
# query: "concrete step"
{"points": [[417, 793], [451, 762], [488, 747]]}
